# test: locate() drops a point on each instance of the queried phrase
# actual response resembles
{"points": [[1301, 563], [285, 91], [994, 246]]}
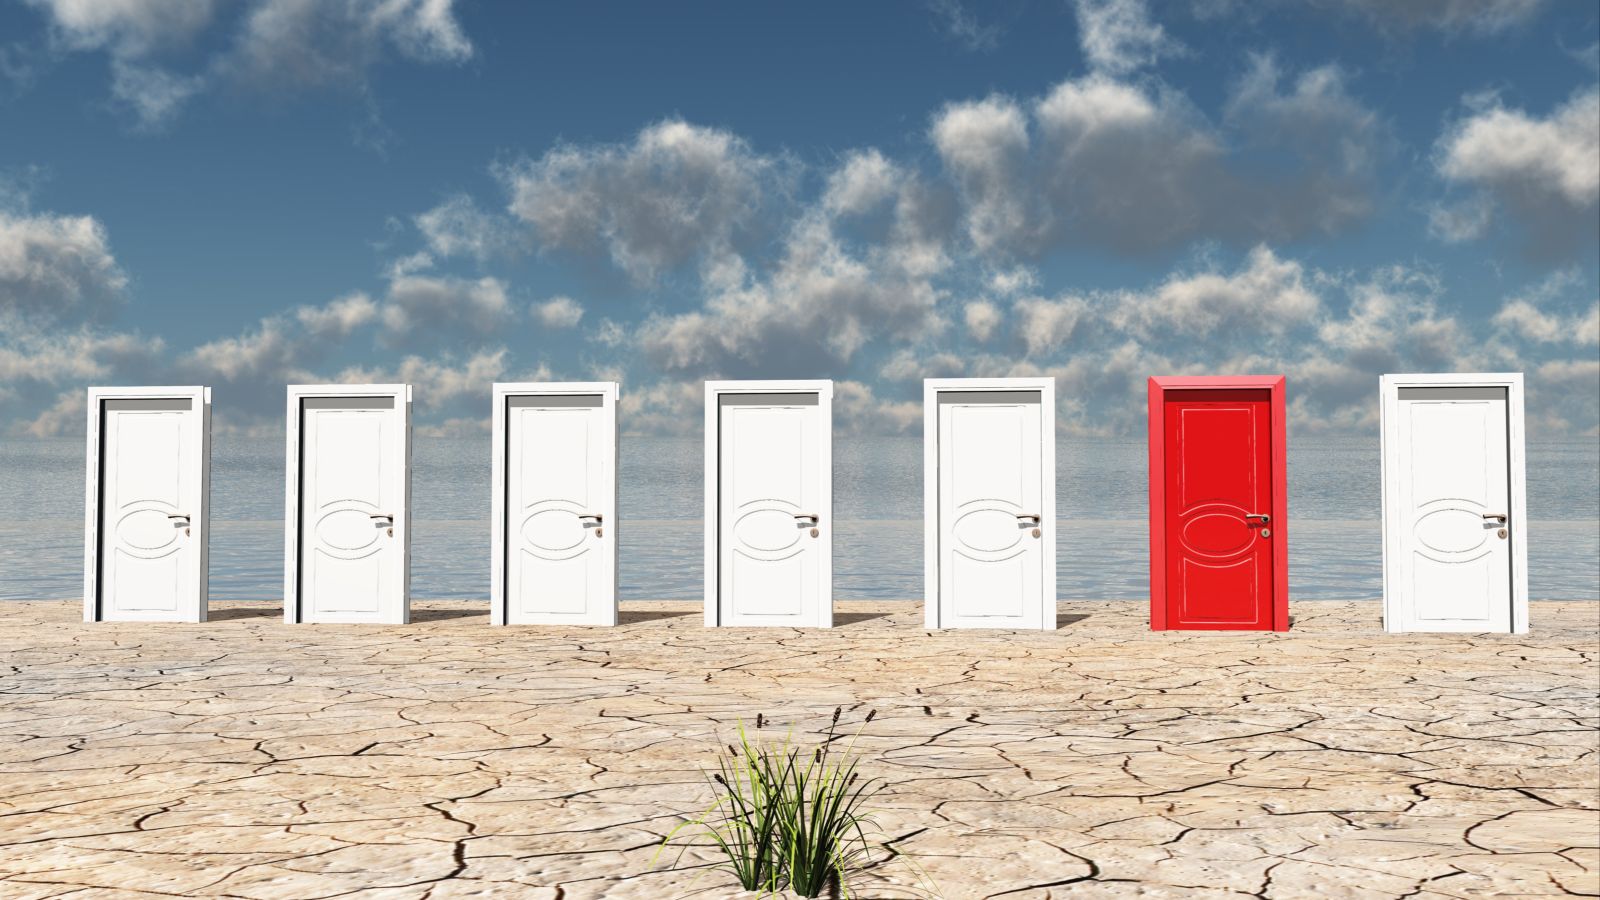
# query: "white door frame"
{"points": [[823, 388], [503, 391], [1389, 399], [931, 389], [200, 523], [291, 486]]}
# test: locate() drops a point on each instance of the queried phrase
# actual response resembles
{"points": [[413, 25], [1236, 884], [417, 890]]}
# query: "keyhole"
{"points": [[1266, 532], [186, 532], [815, 532], [1036, 532], [1502, 534], [599, 532], [391, 532]]}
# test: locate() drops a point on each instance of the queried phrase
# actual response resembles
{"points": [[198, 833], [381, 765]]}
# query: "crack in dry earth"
{"points": [[245, 758]]}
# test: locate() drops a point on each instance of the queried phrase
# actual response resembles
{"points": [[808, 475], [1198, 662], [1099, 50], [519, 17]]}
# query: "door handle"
{"points": [[1497, 517], [599, 522], [388, 516], [184, 516], [815, 519], [1035, 517], [1265, 519]]}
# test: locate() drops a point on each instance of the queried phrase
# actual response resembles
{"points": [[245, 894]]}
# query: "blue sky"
{"points": [[453, 193]]}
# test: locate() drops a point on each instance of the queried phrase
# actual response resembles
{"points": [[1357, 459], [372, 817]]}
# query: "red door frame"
{"points": [[1159, 386]]}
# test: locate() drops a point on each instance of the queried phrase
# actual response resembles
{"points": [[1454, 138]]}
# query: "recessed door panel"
{"points": [[1218, 486], [771, 537], [352, 510], [1453, 495], [150, 533], [990, 499], [560, 457]]}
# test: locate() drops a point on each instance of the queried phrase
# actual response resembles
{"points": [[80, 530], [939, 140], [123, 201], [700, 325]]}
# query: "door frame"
{"points": [[931, 389], [500, 393], [199, 397], [823, 388], [1158, 388], [1388, 414], [291, 487]]}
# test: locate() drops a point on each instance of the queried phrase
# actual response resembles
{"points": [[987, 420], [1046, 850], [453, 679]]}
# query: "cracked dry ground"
{"points": [[247, 758]]}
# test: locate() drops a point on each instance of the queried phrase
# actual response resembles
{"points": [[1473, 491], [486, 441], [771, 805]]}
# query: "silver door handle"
{"points": [[1498, 517], [598, 519], [1262, 516], [1033, 516], [815, 519]]}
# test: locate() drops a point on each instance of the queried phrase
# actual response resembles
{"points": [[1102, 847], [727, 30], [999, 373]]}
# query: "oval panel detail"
{"points": [[1218, 534], [1452, 531], [989, 530], [348, 529], [768, 529], [148, 529], [553, 529]]}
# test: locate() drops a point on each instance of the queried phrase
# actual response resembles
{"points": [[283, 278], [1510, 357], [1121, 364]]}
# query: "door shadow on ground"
{"points": [[852, 618], [434, 615], [629, 617], [245, 612], [1065, 619]]}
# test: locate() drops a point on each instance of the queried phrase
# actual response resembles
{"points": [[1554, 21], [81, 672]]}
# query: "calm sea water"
{"points": [[1334, 550]]}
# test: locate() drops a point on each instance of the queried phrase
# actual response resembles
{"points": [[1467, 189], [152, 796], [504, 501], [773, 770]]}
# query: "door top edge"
{"points": [[507, 388], [820, 385], [988, 384]]}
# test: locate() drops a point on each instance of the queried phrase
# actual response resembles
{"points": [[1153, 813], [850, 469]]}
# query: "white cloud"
{"points": [[1267, 295], [1527, 317], [677, 193], [982, 318], [57, 267], [457, 227], [1136, 167], [1118, 37], [127, 27], [1483, 17], [558, 312], [1540, 171], [984, 146], [311, 43], [438, 383], [964, 27], [419, 302], [1046, 325], [278, 44]]}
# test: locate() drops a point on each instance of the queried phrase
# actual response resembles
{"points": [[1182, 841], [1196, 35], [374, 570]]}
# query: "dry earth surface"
{"points": [[447, 758]]}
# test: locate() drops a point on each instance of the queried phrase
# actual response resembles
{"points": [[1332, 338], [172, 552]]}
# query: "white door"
{"points": [[560, 522], [993, 531], [1453, 496], [773, 502], [151, 531], [352, 510]]}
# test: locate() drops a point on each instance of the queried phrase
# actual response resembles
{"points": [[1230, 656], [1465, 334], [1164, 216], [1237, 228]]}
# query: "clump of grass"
{"points": [[787, 818]]}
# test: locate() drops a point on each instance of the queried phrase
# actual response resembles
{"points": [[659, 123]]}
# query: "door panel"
{"points": [[1453, 472], [352, 510], [150, 508], [1218, 457], [769, 562], [560, 454], [991, 564]]}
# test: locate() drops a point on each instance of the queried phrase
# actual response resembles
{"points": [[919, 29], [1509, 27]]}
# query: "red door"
{"points": [[1220, 516]]}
